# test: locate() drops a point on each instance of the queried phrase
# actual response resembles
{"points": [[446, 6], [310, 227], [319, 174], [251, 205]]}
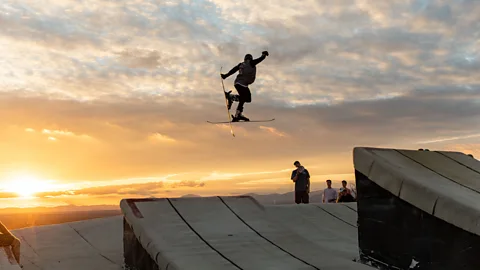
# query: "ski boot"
{"points": [[239, 116], [242, 117]]}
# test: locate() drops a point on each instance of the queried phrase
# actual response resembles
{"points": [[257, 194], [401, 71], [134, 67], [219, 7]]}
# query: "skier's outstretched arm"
{"points": [[232, 71], [254, 62]]}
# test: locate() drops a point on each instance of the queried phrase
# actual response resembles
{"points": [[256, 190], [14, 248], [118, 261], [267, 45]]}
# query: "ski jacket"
{"points": [[247, 71]]}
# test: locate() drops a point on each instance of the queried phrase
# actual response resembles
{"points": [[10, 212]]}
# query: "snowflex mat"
{"points": [[89, 244], [222, 233], [7, 257], [7, 260], [418, 209], [99, 244]]}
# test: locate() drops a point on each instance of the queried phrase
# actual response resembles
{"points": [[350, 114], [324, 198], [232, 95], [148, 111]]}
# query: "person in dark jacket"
{"points": [[345, 194], [301, 178], [247, 71]]}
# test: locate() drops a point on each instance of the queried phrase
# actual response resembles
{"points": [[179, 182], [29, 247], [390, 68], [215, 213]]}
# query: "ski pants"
{"points": [[244, 96], [302, 197]]}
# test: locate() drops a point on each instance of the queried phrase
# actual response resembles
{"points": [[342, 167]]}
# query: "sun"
{"points": [[25, 185]]}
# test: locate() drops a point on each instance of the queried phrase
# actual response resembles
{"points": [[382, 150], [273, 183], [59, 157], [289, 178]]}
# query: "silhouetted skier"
{"points": [[247, 72]]}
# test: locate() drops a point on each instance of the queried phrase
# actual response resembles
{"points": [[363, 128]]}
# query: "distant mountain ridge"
{"points": [[190, 196], [63, 208], [265, 199], [277, 198]]}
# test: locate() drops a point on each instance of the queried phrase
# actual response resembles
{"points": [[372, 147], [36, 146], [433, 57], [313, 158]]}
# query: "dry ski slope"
{"points": [[190, 233], [7, 260], [238, 233], [91, 244]]}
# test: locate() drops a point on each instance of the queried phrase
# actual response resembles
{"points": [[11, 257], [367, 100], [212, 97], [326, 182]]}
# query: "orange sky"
{"points": [[110, 100]]}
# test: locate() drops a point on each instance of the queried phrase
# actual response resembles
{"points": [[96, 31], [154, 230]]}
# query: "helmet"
{"points": [[248, 57]]}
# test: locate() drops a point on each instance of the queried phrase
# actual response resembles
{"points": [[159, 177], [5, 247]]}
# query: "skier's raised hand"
{"points": [[223, 76], [265, 53]]}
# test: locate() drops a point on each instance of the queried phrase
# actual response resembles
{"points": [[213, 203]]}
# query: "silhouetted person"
{"points": [[247, 72], [301, 177]]}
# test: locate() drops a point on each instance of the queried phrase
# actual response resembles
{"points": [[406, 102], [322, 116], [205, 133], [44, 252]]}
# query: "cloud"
{"points": [[142, 189], [194, 184], [215, 175], [350, 48], [54, 135], [7, 195], [123, 131], [273, 131], [145, 189], [161, 138], [450, 139]]}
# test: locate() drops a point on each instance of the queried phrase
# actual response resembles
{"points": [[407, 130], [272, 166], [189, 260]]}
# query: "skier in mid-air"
{"points": [[246, 75]]}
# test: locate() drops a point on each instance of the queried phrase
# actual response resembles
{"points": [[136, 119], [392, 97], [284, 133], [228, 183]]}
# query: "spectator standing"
{"points": [[301, 178], [329, 194]]}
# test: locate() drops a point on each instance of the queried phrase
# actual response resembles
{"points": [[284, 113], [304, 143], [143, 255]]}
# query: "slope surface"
{"points": [[90, 244], [314, 236], [331, 226], [7, 260], [234, 233]]}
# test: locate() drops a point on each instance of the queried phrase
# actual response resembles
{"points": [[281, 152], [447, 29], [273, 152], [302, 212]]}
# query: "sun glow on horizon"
{"points": [[25, 185]]}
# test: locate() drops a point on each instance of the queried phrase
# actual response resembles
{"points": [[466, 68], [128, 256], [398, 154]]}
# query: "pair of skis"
{"points": [[228, 112]]}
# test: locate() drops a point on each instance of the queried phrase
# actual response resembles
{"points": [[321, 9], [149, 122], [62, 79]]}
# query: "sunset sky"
{"points": [[103, 100]]}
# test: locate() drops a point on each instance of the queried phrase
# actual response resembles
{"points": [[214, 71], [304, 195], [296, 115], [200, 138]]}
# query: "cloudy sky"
{"points": [[102, 100]]}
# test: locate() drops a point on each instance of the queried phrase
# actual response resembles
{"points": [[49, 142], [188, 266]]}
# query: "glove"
{"points": [[265, 53], [223, 76]]}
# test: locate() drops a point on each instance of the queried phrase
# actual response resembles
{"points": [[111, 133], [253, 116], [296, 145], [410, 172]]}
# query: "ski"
{"points": [[226, 104], [251, 121]]}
